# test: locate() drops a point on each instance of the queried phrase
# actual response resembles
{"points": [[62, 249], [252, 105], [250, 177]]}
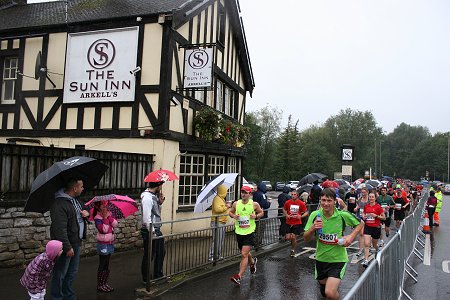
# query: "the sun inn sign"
{"points": [[99, 66]]}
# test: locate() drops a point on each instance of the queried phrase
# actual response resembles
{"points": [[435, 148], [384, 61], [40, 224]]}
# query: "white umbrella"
{"points": [[209, 191]]}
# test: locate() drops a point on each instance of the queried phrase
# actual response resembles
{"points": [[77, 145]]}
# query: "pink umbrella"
{"points": [[358, 181], [330, 184], [119, 206]]}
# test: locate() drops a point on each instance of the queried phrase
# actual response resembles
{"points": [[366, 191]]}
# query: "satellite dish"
{"points": [[37, 66]]}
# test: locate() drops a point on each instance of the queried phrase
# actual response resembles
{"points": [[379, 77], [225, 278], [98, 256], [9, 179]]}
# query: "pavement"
{"points": [[433, 280]]}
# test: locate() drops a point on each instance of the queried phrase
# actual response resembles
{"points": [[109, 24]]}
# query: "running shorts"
{"points": [[324, 270], [295, 229], [387, 222], [399, 215], [245, 240], [374, 232]]}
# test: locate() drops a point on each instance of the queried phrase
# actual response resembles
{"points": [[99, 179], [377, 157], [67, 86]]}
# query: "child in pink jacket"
{"points": [[105, 224], [39, 270]]}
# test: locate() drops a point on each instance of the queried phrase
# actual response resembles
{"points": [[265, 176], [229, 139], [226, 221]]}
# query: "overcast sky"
{"points": [[313, 58]]}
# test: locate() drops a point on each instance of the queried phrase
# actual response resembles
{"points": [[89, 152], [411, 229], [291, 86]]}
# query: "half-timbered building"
{"points": [[109, 75]]}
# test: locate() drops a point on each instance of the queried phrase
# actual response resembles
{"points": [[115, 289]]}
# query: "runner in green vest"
{"points": [[331, 254], [245, 212]]}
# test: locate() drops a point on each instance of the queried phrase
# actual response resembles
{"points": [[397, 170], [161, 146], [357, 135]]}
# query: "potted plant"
{"points": [[207, 124]]}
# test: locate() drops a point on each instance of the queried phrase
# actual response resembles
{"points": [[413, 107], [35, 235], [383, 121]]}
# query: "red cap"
{"points": [[246, 188]]}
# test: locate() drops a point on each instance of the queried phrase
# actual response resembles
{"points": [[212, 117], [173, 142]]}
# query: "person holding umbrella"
{"points": [[69, 218], [219, 207], [105, 224]]}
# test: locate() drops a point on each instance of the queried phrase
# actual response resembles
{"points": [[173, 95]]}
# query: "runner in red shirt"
{"points": [[294, 209], [373, 213]]}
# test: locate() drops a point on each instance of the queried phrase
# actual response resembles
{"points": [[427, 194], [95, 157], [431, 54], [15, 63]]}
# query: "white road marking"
{"points": [[445, 265], [308, 249], [427, 251]]}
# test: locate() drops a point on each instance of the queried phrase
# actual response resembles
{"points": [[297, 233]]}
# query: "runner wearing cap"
{"points": [[245, 211]]}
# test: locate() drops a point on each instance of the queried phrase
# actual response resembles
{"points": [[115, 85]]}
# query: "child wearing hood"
{"points": [[39, 270]]}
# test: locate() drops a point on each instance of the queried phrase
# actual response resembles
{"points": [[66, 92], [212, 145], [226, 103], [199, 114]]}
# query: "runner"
{"points": [[245, 212], [401, 203], [294, 210], [372, 214], [331, 254], [387, 203], [350, 198]]}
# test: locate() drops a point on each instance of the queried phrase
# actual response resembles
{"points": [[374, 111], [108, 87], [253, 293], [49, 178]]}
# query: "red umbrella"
{"points": [[160, 175], [119, 206], [330, 184]]}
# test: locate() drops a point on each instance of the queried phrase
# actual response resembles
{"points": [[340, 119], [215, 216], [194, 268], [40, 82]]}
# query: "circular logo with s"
{"points": [[198, 59], [101, 53]]}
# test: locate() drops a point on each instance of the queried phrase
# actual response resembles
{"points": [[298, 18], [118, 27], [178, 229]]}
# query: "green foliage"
{"points": [[287, 154], [211, 127]]}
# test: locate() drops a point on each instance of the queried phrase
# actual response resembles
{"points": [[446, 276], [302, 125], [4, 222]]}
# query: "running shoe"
{"points": [[365, 263], [360, 252], [372, 250], [253, 266], [380, 243], [387, 234], [236, 279], [292, 253]]}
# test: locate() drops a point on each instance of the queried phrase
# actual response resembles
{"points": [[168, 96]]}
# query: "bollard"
{"points": [[426, 223]]}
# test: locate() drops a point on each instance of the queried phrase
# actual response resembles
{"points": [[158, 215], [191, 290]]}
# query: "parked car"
{"points": [[250, 184], [279, 186], [268, 185], [446, 190], [293, 184]]}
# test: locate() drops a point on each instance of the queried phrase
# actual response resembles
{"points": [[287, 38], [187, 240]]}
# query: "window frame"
{"points": [[4, 80]]}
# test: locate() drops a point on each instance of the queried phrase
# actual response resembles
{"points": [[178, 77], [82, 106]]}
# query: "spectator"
{"points": [[152, 200], [105, 224], [315, 195], [260, 197], [69, 218], [282, 198], [431, 207], [219, 207], [39, 270]]}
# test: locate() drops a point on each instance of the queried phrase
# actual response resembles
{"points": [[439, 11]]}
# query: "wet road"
{"points": [[278, 276], [434, 279]]}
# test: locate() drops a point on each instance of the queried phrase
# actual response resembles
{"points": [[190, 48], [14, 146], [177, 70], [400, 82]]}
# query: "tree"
{"points": [[287, 153], [264, 127]]}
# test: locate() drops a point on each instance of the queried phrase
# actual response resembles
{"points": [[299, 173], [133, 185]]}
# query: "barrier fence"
{"points": [[190, 250], [384, 278]]}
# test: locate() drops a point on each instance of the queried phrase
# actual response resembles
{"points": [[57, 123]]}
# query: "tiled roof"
{"points": [[53, 13]]}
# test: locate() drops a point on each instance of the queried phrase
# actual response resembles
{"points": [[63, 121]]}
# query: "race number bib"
{"points": [[329, 239], [398, 206], [244, 222], [293, 210], [351, 200], [370, 220]]}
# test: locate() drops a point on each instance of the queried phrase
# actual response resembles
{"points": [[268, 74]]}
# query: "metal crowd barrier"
{"points": [[190, 250], [384, 279]]}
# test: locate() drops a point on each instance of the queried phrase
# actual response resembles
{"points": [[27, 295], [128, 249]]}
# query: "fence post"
{"points": [[215, 240], [150, 268]]}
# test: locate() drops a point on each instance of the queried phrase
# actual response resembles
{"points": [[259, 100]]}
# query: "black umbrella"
{"points": [[48, 182], [310, 178], [305, 188]]}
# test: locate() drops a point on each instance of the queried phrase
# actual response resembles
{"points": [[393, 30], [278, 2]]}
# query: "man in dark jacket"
{"points": [[282, 198], [315, 195], [260, 196], [68, 226]]}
